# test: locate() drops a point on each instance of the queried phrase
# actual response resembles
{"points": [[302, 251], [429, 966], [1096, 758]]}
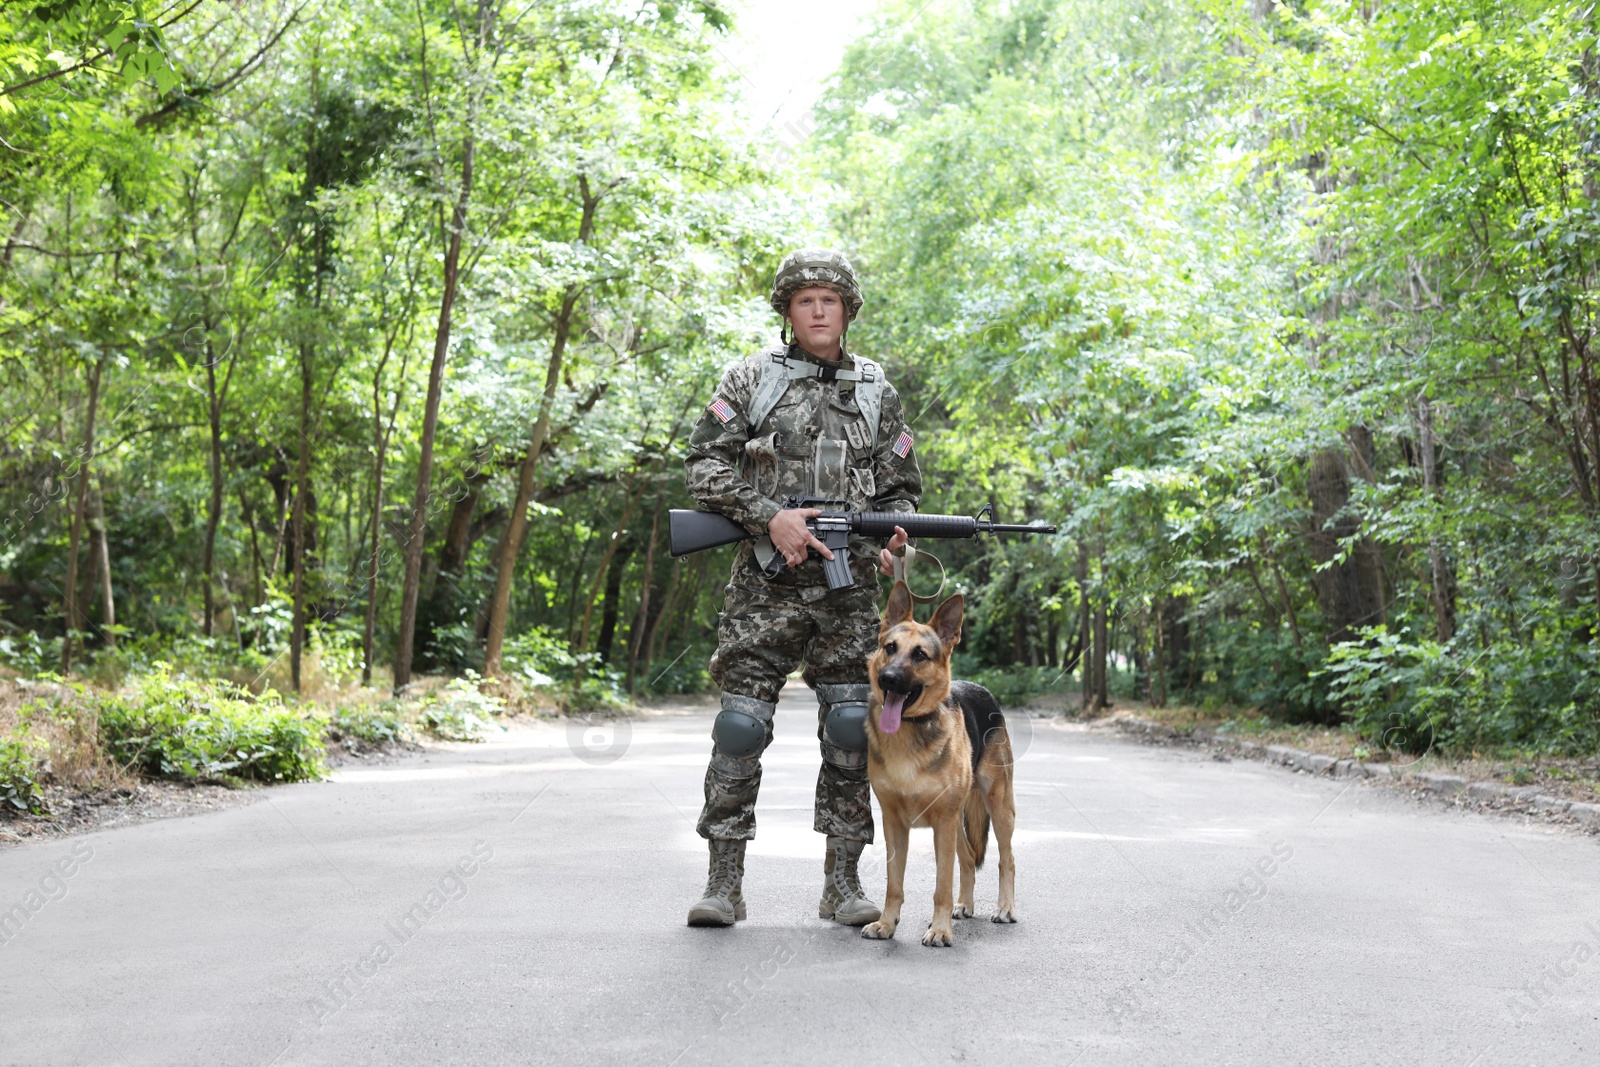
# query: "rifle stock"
{"points": [[697, 531]]}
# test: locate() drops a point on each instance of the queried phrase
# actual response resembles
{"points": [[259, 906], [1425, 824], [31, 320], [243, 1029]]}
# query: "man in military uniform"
{"points": [[804, 419]]}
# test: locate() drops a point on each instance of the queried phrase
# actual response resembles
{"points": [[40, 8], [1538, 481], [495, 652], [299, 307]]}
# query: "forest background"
{"points": [[351, 347]]}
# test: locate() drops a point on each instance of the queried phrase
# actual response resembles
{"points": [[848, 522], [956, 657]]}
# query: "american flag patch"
{"points": [[722, 411], [903, 444]]}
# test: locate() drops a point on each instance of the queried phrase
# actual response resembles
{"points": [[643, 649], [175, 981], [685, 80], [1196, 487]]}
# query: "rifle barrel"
{"points": [[1011, 527]]}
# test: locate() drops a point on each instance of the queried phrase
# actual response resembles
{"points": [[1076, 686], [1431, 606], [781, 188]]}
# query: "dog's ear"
{"points": [[899, 609], [946, 622]]}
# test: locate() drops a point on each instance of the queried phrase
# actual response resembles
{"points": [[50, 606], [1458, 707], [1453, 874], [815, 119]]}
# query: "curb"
{"points": [[1449, 788]]}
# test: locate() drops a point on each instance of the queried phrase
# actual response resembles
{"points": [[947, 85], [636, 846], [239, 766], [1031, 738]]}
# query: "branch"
{"points": [[242, 71]]}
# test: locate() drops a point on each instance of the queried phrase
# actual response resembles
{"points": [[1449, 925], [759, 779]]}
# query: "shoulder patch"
{"points": [[902, 445], [722, 410]]}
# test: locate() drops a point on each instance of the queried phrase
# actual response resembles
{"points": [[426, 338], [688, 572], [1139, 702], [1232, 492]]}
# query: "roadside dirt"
{"points": [[79, 811]]}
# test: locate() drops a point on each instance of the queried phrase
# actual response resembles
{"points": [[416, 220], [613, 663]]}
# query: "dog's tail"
{"points": [[975, 825]]}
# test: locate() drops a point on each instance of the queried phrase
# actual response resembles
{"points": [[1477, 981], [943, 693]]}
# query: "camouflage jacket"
{"points": [[815, 442]]}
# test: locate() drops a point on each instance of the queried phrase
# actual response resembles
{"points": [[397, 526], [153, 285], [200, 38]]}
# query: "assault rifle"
{"points": [[697, 531]]}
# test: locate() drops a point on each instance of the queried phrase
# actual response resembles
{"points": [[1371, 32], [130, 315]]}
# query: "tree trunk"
{"points": [[1085, 630], [1443, 576], [510, 547], [249, 515], [369, 625], [659, 634], [215, 400], [617, 540], [297, 632], [108, 603], [1283, 589], [70, 614], [1052, 640], [443, 586], [381, 435], [430, 425], [278, 477], [610, 605], [639, 633], [572, 590], [1158, 692], [1349, 591], [1102, 645]]}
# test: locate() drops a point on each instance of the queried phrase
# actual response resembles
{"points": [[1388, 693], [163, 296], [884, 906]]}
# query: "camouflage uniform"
{"points": [[770, 626]]}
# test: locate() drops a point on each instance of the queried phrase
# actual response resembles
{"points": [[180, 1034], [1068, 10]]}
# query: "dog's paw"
{"points": [[936, 938], [961, 911], [1004, 915], [878, 931]]}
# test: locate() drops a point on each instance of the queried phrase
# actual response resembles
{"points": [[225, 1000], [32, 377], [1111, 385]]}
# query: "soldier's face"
{"points": [[817, 314]]}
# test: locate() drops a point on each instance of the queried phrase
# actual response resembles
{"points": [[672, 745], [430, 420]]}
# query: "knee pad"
{"points": [[741, 727], [844, 724]]}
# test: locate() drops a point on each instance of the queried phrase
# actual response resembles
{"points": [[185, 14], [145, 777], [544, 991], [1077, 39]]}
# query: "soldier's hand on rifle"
{"points": [[791, 537], [886, 557]]}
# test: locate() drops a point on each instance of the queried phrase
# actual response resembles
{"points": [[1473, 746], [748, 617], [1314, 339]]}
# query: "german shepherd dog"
{"points": [[938, 755]]}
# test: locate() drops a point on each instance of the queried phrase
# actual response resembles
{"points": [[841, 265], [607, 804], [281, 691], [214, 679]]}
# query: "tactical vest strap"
{"points": [[777, 371]]}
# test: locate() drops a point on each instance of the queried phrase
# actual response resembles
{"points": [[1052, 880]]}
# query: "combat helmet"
{"points": [[816, 266]]}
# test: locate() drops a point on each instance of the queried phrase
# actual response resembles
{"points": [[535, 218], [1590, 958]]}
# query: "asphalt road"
{"points": [[1173, 909]]}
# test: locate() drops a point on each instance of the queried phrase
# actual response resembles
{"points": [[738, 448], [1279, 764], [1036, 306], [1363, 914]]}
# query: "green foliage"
{"points": [[688, 673], [537, 657], [168, 725], [1013, 687], [1285, 313], [1270, 673], [1280, 315], [21, 764], [460, 710], [1392, 689], [583, 682], [1416, 695], [385, 724], [31, 654], [60, 39]]}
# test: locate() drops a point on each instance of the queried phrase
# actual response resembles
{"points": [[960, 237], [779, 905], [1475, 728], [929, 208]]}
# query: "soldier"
{"points": [[805, 419]]}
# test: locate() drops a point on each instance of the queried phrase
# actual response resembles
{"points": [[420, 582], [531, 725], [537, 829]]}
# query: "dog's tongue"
{"points": [[893, 705]]}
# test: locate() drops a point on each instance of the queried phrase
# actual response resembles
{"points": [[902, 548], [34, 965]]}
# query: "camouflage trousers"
{"points": [[766, 631]]}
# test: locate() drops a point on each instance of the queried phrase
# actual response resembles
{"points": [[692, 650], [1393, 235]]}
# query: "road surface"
{"points": [[523, 901]]}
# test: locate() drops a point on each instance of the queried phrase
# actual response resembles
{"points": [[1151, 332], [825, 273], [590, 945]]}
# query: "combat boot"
{"points": [[842, 898], [723, 903]]}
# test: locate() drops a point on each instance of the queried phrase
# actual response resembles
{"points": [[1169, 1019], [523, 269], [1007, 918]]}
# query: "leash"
{"points": [[902, 571]]}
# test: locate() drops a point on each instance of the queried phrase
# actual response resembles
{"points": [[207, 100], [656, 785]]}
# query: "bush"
{"points": [[337, 649], [1011, 686], [460, 711], [21, 764], [172, 726], [31, 655], [1414, 695], [1265, 670], [190, 654], [538, 658], [687, 674], [384, 724]]}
